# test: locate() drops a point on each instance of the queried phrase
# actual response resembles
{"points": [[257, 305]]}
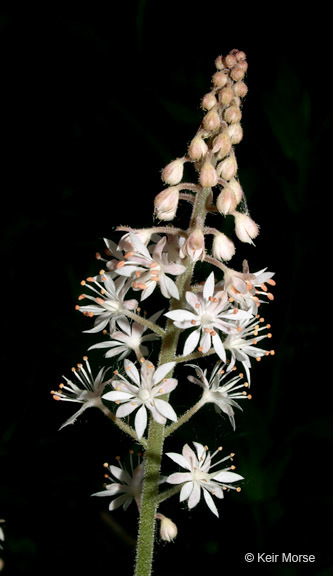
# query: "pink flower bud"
{"points": [[222, 145], [223, 247], [220, 79], [237, 73], [246, 229], [240, 56], [226, 201], [227, 168], [198, 148], [208, 101], [208, 176], [166, 203], [237, 189], [219, 63], [212, 120], [235, 132], [232, 115], [230, 60], [194, 246], [173, 172], [240, 89], [226, 95]]}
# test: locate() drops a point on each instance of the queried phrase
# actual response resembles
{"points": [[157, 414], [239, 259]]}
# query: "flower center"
{"points": [[200, 476], [144, 394], [206, 320]]}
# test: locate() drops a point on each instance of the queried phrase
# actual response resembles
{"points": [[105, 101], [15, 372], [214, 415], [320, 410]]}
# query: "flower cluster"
{"points": [[219, 316]]}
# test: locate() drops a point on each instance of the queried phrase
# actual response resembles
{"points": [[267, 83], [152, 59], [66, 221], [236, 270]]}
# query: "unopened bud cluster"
{"points": [[212, 153]]}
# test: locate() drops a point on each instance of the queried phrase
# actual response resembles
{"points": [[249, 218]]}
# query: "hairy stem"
{"points": [[155, 440], [184, 418]]}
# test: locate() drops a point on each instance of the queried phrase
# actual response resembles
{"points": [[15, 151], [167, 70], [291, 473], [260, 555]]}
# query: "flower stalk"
{"points": [[217, 316]]}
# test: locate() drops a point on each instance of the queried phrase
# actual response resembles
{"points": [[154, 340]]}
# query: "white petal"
{"points": [[194, 498], [140, 422], [179, 477], [132, 371], [181, 315], [209, 286], [186, 491], [225, 476], [210, 502], [116, 396], [162, 371], [139, 246], [165, 409], [118, 502], [219, 348], [191, 342], [120, 474], [179, 459], [126, 409]]}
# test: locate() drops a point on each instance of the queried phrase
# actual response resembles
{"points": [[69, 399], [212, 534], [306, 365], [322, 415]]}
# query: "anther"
{"points": [[82, 282], [81, 297], [271, 282], [258, 358], [193, 322], [120, 264], [238, 489], [270, 296], [249, 396], [106, 465]]}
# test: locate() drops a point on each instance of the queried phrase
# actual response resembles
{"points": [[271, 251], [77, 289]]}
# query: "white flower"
{"points": [[215, 392], [128, 340], [87, 390], [243, 343], [144, 393], [212, 313], [200, 477], [109, 303], [128, 485], [245, 288], [150, 270]]}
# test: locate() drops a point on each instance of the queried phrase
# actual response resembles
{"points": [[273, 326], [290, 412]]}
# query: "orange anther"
{"points": [[120, 264], [82, 296], [271, 282], [128, 255], [270, 296], [56, 397]]}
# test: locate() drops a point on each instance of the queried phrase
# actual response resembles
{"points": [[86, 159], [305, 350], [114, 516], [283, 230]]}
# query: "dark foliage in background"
{"points": [[94, 102]]}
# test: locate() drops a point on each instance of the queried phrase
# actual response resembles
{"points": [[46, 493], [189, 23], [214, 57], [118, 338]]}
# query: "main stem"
{"points": [[153, 454]]}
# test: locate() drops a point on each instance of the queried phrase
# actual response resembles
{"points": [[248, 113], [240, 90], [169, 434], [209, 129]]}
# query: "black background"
{"points": [[94, 103]]}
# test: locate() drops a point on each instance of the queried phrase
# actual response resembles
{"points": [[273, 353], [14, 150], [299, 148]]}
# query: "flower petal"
{"points": [[165, 409], [194, 498], [140, 422], [179, 477], [225, 476], [210, 502], [209, 286], [191, 342], [162, 371], [186, 491], [179, 459]]}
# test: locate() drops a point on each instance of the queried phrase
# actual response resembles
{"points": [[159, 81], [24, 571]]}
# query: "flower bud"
{"points": [[168, 529], [219, 63], [166, 203], [208, 101], [198, 148], [235, 132], [246, 229], [208, 176], [240, 89], [226, 201], [212, 120], [227, 168], [194, 246], [223, 247], [173, 172], [232, 115], [222, 145], [226, 95], [240, 56], [230, 60], [237, 189], [220, 79], [237, 73]]}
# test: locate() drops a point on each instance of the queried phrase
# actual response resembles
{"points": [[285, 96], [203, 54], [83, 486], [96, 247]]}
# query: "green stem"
{"points": [[124, 427], [141, 320], [153, 455], [184, 418]]}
